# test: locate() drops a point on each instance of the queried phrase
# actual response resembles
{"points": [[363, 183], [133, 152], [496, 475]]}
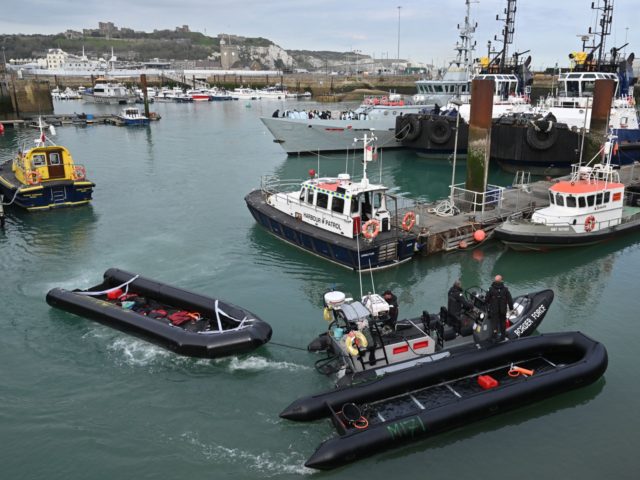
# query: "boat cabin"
{"points": [[576, 87], [44, 164], [337, 204], [506, 87], [593, 199]]}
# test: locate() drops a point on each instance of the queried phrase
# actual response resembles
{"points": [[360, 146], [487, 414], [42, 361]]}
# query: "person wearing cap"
{"points": [[499, 302], [457, 303]]}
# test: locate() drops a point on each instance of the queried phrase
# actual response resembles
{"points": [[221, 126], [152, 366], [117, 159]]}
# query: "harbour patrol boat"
{"points": [[351, 223], [44, 177]]}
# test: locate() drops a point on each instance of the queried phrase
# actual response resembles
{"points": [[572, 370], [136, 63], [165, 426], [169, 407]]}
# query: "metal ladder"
{"points": [[58, 194]]}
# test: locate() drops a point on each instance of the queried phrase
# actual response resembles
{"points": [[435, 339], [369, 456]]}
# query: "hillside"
{"points": [[255, 53]]}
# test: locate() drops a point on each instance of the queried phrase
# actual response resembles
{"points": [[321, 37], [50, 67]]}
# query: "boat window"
{"points": [[606, 197], [355, 204], [38, 160], [598, 198], [303, 194], [590, 199], [573, 89], [377, 200], [560, 200], [54, 158], [310, 196], [582, 202], [571, 201], [587, 88], [322, 200], [552, 198], [337, 204]]}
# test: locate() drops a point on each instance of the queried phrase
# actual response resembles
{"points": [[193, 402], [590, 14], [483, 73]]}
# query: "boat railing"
{"points": [[471, 201], [598, 225], [272, 184]]}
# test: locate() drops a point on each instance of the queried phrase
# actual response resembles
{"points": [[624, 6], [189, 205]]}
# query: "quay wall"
{"points": [[22, 98]]}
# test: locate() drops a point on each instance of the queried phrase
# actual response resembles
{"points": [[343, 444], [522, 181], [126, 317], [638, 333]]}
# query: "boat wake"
{"points": [[269, 464], [255, 364]]}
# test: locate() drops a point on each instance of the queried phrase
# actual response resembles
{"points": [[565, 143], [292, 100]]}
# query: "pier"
{"points": [[439, 231]]}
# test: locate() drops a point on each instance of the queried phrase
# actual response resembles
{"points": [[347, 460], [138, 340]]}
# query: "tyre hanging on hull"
{"points": [[542, 134], [414, 127], [439, 131]]}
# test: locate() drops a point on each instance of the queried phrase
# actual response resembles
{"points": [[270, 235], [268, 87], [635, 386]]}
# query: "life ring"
{"points": [[589, 223], [79, 172], [408, 221], [33, 177], [439, 131], [355, 340], [371, 229], [541, 135]]}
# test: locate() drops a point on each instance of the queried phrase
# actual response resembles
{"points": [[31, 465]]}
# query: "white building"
{"points": [[56, 58]]}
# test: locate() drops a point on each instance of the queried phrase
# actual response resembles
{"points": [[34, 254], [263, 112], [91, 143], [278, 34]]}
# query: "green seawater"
{"points": [[83, 401]]}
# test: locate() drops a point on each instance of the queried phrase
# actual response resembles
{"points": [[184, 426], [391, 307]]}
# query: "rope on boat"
{"points": [[288, 346], [104, 292], [15, 195]]}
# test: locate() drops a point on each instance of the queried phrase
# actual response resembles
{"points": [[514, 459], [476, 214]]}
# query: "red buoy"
{"points": [[1, 128], [312, 173], [479, 235]]}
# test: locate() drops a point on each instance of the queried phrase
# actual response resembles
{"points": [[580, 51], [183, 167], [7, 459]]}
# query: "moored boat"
{"points": [[109, 93], [184, 322], [350, 223], [365, 340], [44, 177], [132, 116], [589, 207], [428, 400]]}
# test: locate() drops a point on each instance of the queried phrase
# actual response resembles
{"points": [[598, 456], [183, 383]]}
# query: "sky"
{"points": [[426, 30]]}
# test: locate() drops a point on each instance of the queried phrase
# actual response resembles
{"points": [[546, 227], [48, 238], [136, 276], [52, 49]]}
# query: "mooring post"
{"points": [[143, 82], [599, 123], [479, 146]]}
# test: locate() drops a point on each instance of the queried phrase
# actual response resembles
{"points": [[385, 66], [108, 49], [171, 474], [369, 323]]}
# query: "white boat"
{"points": [[277, 92], [109, 93], [378, 114], [132, 116], [244, 93], [589, 207], [350, 223], [198, 95]]}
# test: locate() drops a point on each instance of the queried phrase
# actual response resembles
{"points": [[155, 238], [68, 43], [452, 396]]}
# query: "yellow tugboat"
{"points": [[44, 177]]}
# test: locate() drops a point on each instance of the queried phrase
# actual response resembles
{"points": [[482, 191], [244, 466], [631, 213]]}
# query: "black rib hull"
{"points": [[574, 360], [160, 331]]}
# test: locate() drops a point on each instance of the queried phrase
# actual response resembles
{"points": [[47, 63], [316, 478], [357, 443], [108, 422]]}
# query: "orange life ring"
{"points": [[79, 172], [371, 229], [33, 177], [408, 221], [589, 223]]}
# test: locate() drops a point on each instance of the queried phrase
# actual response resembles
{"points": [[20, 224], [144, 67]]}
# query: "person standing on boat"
{"points": [[457, 303], [499, 302], [392, 300]]}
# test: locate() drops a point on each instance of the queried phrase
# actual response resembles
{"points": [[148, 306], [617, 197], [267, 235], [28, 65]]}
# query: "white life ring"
{"points": [[355, 340]]}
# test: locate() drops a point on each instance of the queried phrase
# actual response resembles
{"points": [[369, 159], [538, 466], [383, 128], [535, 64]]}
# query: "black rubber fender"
{"points": [[439, 131], [414, 124], [542, 136]]}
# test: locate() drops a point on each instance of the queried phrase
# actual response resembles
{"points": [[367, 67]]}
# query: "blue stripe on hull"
{"points": [[44, 198]]}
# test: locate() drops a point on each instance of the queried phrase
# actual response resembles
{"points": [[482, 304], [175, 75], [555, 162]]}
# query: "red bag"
{"points": [[180, 317]]}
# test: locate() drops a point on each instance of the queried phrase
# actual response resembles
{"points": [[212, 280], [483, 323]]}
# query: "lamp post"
{"points": [[398, 55], [457, 103]]}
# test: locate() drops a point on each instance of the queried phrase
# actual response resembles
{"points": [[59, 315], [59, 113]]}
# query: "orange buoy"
{"points": [[479, 235], [463, 244], [1, 128]]}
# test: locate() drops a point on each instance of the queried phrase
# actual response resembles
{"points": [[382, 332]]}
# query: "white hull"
{"points": [[108, 100], [301, 135], [317, 135]]}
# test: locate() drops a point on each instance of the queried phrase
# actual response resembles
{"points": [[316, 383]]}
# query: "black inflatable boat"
{"points": [[426, 400], [385, 346], [181, 321]]}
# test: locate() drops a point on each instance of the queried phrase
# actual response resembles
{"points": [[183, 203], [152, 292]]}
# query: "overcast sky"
{"points": [[549, 28]]}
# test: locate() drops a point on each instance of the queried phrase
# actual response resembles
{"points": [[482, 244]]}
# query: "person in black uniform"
{"points": [[392, 300], [499, 302], [456, 304]]}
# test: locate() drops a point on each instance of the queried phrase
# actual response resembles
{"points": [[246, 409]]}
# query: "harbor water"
{"points": [[80, 400]]}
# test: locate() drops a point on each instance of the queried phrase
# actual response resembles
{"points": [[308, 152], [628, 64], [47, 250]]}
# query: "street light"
{"points": [[457, 103], [398, 57]]}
